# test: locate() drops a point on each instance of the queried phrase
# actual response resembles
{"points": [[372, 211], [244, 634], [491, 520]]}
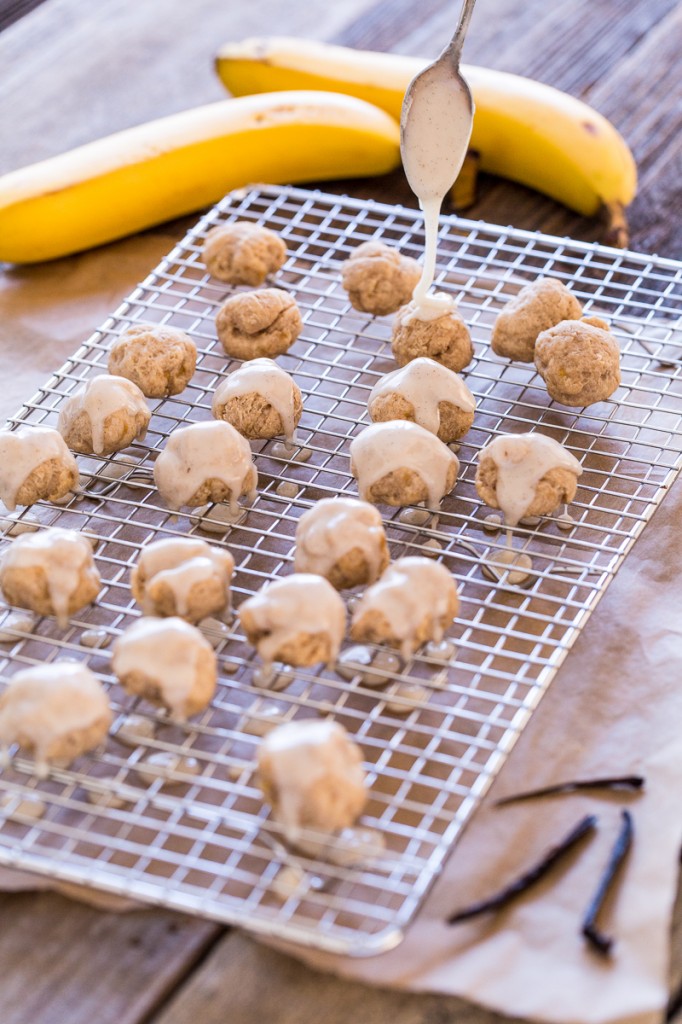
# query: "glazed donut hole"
{"points": [[37, 466], [299, 620], [51, 572], [184, 577], [167, 662], [427, 393], [105, 415], [342, 539], [260, 400], [322, 788], [414, 600]]}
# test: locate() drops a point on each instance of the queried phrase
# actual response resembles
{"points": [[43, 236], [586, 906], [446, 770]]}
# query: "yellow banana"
{"points": [[144, 175], [523, 130]]}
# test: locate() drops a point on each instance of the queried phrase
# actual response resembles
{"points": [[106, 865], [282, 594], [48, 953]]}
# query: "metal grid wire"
{"points": [[198, 837]]}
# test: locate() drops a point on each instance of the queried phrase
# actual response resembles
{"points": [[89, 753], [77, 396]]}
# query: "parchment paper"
{"points": [[615, 707]]}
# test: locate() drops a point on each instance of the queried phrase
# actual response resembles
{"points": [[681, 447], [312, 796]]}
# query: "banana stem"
{"points": [[617, 232]]}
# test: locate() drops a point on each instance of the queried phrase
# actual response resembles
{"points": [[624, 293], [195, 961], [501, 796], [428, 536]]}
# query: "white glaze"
{"points": [[265, 378], [353, 662], [135, 728], [387, 663], [410, 589], [63, 555], [288, 880], [428, 308], [22, 451], [355, 846], [17, 622], [166, 765], [436, 131], [102, 798], [406, 697], [261, 719], [181, 563], [332, 528], [22, 523], [522, 460], [442, 651], [425, 384], [201, 452], [282, 450], [48, 703], [493, 523], [166, 652], [99, 398], [414, 516], [300, 755], [96, 638], [19, 807], [508, 567], [372, 669], [214, 630], [432, 546], [302, 603], [217, 519], [287, 489], [265, 678], [382, 448]]}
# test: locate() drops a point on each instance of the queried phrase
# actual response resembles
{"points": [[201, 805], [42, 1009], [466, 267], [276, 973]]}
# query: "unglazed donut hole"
{"points": [[256, 324], [379, 279], [243, 253], [159, 359]]}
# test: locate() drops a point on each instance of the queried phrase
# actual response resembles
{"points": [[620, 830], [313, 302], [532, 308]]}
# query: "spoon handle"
{"points": [[454, 47]]}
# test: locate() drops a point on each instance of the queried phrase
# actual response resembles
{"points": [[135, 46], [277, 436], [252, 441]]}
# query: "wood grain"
{"points": [[74, 70], [243, 983], [67, 963], [13, 10]]}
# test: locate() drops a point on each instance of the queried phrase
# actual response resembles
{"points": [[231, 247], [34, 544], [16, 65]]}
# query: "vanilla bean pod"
{"points": [[585, 826], [600, 942], [630, 782]]}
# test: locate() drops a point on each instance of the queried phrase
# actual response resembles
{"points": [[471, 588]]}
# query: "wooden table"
{"points": [[73, 71]]}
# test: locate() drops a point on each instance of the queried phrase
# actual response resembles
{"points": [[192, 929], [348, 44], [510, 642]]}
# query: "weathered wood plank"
{"points": [[64, 961], [243, 983], [74, 71], [13, 10], [651, 119]]}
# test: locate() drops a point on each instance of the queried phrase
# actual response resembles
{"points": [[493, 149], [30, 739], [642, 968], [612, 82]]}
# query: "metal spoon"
{"points": [[443, 71], [435, 127]]}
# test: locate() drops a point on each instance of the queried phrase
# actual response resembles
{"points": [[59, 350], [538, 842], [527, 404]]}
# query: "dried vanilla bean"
{"points": [[600, 942], [633, 783], [585, 826]]}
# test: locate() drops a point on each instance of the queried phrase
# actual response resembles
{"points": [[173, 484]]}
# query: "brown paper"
{"points": [[614, 708]]}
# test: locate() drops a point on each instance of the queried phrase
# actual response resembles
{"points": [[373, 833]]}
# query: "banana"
{"points": [[154, 172], [523, 130]]}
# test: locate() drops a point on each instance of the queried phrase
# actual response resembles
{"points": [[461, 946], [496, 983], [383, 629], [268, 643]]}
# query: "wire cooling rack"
{"points": [[174, 816]]}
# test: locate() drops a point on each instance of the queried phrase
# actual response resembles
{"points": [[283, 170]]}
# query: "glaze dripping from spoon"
{"points": [[435, 128]]}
